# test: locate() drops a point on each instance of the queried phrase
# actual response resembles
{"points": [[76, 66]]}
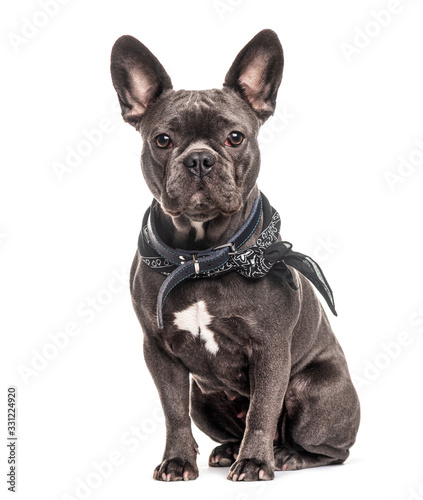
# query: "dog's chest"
{"points": [[196, 321], [209, 345]]}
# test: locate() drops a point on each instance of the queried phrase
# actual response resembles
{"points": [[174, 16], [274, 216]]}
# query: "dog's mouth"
{"points": [[203, 201], [200, 207]]}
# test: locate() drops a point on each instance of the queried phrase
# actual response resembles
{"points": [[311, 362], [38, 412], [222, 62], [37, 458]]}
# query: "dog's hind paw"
{"points": [[224, 455], [288, 459]]}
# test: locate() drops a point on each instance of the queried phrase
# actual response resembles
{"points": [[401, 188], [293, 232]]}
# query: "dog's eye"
{"points": [[234, 139], [163, 141]]}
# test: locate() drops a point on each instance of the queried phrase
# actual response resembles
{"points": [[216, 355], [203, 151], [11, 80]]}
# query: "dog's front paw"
{"points": [[175, 469], [250, 469]]}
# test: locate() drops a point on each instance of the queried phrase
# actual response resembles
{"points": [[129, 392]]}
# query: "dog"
{"points": [[253, 362]]}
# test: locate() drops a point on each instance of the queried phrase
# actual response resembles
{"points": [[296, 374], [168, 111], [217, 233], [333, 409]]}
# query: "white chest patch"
{"points": [[199, 230], [196, 320]]}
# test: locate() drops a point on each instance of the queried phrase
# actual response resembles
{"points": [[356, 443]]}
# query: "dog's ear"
{"points": [[137, 76], [256, 73]]}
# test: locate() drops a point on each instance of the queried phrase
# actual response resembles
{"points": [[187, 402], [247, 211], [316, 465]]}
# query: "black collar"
{"points": [[253, 262]]}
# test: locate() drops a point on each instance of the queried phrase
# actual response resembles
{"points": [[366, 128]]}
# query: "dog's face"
{"points": [[200, 154]]}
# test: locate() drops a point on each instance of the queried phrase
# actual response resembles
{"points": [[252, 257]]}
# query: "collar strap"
{"points": [[196, 263], [252, 262], [211, 257]]}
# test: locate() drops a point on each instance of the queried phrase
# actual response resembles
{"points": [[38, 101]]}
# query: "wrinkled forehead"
{"points": [[200, 113]]}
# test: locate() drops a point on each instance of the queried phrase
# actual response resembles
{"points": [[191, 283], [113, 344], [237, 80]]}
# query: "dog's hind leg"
{"points": [[222, 419], [288, 458], [321, 420]]}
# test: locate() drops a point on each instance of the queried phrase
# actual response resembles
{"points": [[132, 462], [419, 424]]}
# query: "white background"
{"points": [[343, 123]]}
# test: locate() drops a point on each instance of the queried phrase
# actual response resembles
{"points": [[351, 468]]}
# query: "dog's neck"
{"points": [[181, 232]]}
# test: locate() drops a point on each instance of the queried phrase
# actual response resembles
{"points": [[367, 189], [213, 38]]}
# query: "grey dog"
{"points": [[269, 381]]}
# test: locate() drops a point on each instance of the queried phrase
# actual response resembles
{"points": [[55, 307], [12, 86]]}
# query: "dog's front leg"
{"points": [[269, 375], [172, 381]]}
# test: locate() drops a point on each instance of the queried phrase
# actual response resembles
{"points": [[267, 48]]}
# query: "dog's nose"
{"points": [[199, 162]]}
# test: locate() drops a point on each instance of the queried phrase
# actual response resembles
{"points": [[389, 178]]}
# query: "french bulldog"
{"points": [[253, 362]]}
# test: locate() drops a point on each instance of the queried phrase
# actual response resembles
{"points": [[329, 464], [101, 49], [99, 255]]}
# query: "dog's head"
{"points": [[200, 153]]}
